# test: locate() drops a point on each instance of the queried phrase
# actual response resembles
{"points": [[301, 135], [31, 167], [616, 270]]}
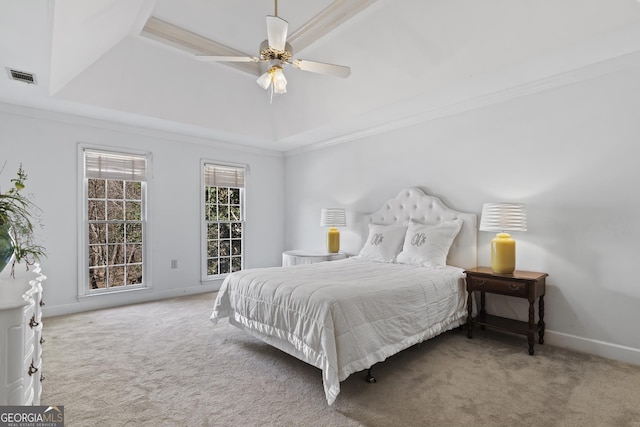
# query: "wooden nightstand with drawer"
{"points": [[520, 284]]}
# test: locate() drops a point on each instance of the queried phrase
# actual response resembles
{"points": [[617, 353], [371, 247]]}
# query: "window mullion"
{"points": [[223, 225], [115, 230]]}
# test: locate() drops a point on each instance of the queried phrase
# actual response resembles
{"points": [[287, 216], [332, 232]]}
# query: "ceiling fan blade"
{"points": [[213, 58], [322, 68], [338, 12], [277, 32], [177, 37]]}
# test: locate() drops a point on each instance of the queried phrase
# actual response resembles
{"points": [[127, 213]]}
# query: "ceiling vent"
{"points": [[22, 76]]}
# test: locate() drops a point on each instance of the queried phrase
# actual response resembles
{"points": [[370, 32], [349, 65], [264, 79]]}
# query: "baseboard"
{"points": [[572, 342], [126, 298], [598, 348]]}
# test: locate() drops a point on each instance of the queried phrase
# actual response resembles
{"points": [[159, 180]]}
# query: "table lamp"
{"points": [[503, 217], [332, 218]]}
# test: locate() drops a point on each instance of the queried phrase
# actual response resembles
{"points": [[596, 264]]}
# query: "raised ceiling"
{"points": [[410, 60]]}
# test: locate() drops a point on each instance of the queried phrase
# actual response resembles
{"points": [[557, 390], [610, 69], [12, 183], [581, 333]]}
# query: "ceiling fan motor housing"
{"points": [[267, 53]]}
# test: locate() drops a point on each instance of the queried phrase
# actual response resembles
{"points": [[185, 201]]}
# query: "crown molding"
{"points": [[587, 72], [148, 129]]}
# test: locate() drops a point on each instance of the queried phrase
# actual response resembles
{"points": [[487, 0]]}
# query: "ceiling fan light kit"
{"points": [[274, 78], [279, 81], [276, 52]]}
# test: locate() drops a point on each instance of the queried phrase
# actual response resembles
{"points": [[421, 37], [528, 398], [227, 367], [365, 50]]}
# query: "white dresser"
{"points": [[21, 336], [303, 256]]}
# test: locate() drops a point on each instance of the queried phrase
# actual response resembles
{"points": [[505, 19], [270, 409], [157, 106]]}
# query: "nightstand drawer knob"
{"points": [[482, 283], [514, 287]]}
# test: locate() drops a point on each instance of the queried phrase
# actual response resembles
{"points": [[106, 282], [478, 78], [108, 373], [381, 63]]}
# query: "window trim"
{"points": [[205, 279], [83, 238]]}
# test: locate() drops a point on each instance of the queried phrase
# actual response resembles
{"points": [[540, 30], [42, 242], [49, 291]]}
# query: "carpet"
{"points": [[164, 363]]}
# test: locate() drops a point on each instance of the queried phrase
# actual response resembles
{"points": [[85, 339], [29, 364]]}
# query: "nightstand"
{"points": [[302, 256], [519, 284]]}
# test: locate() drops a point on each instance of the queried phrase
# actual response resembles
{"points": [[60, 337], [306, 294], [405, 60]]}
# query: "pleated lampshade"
{"points": [[333, 217], [503, 217]]}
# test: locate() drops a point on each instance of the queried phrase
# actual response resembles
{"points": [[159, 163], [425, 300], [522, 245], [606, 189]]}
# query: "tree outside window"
{"points": [[114, 233], [224, 218]]}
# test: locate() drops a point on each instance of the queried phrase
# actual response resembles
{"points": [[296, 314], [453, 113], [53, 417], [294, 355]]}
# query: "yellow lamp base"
{"points": [[503, 254], [333, 240]]}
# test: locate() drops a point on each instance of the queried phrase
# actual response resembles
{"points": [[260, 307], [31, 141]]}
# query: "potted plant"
{"points": [[17, 224]]}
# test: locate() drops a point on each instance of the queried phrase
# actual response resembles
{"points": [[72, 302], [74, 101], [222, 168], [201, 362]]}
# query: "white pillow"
{"points": [[428, 244], [383, 243]]}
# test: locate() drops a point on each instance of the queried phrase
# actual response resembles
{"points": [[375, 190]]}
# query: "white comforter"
{"points": [[343, 316]]}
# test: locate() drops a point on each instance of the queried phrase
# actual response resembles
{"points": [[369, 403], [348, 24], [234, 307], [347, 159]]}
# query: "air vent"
{"points": [[22, 76]]}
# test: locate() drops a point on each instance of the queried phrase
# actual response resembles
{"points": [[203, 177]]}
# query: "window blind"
{"points": [[223, 176], [106, 165]]}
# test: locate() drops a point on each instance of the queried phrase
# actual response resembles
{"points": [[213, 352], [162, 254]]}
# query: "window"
{"points": [[223, 218], [114, 231]]}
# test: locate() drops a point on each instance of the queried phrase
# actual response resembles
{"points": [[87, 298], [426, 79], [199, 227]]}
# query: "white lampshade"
{"points": [[279, 81], [333, 217], [264, 80], [503, 217]]}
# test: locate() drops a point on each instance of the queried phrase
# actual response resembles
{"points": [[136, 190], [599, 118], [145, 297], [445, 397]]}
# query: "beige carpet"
{"points": [[165, 364]]}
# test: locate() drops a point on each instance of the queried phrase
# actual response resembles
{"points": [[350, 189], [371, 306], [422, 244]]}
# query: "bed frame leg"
{"points": [[369, 378]]}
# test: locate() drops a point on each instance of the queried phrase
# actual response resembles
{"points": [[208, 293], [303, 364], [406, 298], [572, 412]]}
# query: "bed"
{"points": [[406, 285]]}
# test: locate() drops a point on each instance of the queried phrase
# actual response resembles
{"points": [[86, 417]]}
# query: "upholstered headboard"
{"points": [[413, 203]]}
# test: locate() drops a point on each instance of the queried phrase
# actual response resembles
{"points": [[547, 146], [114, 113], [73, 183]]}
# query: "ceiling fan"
{"points": [[277, 53]]}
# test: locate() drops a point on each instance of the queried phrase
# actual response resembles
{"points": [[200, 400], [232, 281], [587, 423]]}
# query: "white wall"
{"points": [[570, 154], [46, 144]]}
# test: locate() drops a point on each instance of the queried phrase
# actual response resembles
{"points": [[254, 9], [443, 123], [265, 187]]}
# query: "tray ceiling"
{"points": [[410, 60]]}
